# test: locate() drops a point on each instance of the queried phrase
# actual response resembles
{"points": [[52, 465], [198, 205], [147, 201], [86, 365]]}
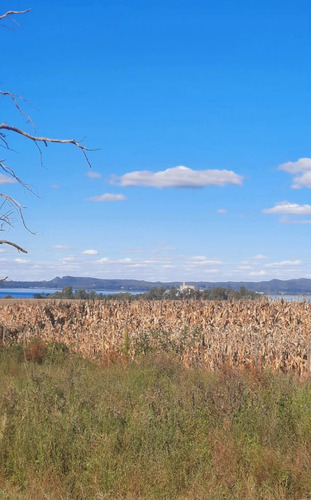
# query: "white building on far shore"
{"points": [[184, 287]]}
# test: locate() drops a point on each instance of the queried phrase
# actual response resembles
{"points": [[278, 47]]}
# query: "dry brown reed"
{"points": [[251, 334]]}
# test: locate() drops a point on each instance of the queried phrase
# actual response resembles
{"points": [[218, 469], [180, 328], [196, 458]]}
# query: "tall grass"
{"points": [[71, 428]]}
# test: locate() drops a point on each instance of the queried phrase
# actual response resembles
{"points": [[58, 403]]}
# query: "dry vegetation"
{"points": [[209, 334], [73, 428]]}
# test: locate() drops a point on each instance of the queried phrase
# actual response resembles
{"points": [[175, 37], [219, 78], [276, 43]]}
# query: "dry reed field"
{"points": [[253, 334]]}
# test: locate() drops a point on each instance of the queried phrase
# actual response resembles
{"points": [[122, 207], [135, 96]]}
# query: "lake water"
{"points": [[28, 293], [290, 298]]}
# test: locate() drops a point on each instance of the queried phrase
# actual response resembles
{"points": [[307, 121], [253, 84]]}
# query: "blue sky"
{"points": [[202, 114]]}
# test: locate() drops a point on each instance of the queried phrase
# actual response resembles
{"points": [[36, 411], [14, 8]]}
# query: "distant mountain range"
{"points": [[293, 286]]}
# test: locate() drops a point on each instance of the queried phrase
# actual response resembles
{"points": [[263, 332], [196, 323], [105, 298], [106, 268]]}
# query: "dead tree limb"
{"points": [[12, 244], [46, 140], [13, 13]]}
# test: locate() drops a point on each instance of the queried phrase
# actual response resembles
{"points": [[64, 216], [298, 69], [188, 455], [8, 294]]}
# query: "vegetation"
{"points": [[212, 334], [156, 293], [71, 428]]}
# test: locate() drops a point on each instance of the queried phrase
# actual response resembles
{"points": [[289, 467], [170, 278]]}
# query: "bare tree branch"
{"points": [[8, 170], [6, 215], [15, 98], [46, 140], [13, 13], [6, 242], [2, 138], [17, 207]]}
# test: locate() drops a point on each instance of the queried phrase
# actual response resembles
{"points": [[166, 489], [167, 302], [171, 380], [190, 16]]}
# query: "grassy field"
{"points": [[74, 428]]}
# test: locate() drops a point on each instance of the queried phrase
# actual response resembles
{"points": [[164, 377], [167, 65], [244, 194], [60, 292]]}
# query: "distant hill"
{"points": [[293, 286]]}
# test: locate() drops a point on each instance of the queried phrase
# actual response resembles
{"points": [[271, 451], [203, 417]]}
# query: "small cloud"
{"points": [[222, 211], [4, 179], [178, 177], [202, 260], [61, 247], [302, 167], [285, 263], [288, 220], [103, 260], [287, 208], [295, 167], [260, 257], [164, 249], [55, 186], [257, 273], [94, 175], [198, 257], [21, 261], [301, 181], [108, 197], [90, 252], [70, 258]]}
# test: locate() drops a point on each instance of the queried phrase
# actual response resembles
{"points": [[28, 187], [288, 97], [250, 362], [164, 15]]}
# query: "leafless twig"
{"points": [[17, 207], [8, 170], [13, 13], [15, 99]]}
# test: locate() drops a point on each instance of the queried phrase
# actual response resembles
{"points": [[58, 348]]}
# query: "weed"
{"points": [[148, 429]]}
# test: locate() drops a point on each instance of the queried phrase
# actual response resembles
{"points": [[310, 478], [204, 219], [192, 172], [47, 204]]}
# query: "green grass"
{"points": [[71, 428]]}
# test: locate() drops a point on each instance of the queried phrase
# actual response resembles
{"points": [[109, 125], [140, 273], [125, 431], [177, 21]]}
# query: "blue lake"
{"points": [[28, 293], [290, 298]]}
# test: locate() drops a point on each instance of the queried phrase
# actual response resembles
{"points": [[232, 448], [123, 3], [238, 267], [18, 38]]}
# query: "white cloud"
{"points": [[288, 220], [285, 263], [164, 249], [94, 175], [21, 261], [106, 260], [301, 181], [260, 257], [295, 167], [201, 260], [178, 177], [287, 208], [257, 273], [222, 211], [90, 252], [61, 247], [302, 167], [108, 197], [4, 179], [70, 258]]}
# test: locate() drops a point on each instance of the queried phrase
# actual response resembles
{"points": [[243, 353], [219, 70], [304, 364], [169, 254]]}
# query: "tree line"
{"points": [[156, 293]]}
